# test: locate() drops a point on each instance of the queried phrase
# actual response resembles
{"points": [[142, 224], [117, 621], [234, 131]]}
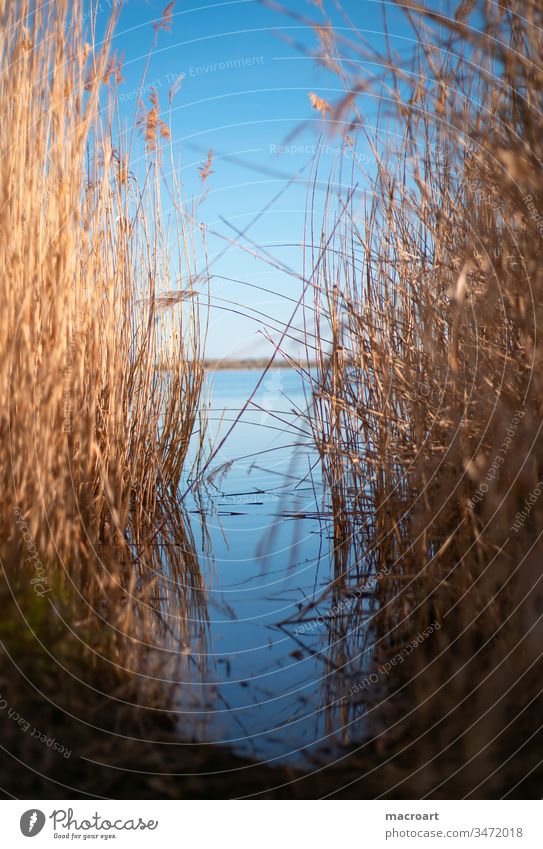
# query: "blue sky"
{"points": [[245, 95]]}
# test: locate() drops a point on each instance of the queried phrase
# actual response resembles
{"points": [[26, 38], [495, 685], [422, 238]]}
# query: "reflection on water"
{"points": [[267, 528]]}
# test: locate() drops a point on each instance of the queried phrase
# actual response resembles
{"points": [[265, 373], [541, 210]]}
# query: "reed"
{"points": [[428, 403], [100, 367]]}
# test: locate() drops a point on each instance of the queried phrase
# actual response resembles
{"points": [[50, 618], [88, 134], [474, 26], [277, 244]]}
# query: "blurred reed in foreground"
{"points": [[429, 404], [99, 382]]}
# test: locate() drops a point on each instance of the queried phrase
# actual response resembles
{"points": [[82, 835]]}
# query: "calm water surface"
{"points": [[265, 688]]}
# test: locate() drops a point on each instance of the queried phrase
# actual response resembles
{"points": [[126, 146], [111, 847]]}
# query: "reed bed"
{"points": [[101, 369], [428, 406]]}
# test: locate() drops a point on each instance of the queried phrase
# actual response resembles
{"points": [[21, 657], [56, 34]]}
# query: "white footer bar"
{"points": [[273, 824]]}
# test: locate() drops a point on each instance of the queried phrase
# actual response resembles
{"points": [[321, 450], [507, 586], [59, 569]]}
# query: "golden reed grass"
{"points": [[428, 405], [99, 381]]}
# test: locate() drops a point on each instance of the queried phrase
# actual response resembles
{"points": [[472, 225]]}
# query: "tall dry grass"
{"points": [[100, 376], [429, 403]]}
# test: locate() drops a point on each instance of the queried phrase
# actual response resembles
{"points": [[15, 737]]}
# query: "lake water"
{"points": [[265, 692]]}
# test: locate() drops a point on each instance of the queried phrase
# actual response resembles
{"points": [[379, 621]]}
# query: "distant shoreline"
{"points": [[254, 364]]}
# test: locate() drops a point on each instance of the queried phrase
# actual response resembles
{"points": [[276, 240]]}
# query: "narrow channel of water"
{"points": [[267, 528]]}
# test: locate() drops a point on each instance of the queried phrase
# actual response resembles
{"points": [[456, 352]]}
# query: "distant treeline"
{"points": [[250, 363]]}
